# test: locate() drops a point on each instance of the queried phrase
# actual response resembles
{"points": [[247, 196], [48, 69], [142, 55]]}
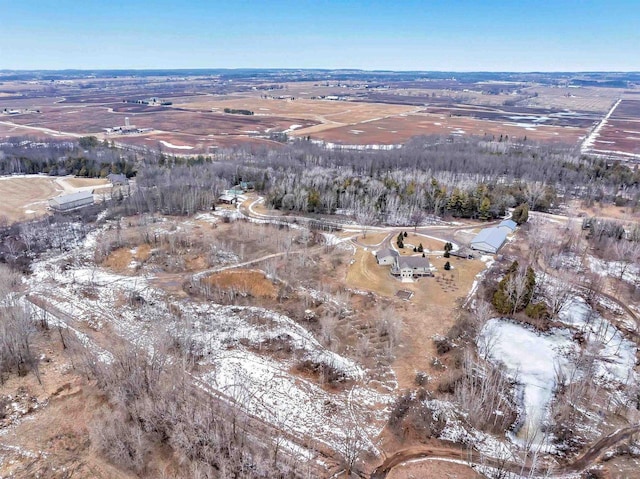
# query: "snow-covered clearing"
{"points": [[616, 356], [532, 359], [176, 147], [536, 361], [630, 272]]}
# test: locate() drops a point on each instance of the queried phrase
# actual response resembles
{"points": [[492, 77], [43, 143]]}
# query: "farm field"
{"points": [[621, 132], [26, 197], [357, 112], [399, 129]]}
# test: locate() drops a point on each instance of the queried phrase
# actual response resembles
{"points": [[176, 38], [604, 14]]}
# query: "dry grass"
{"points": [[20, 196], [253, 283], [323, 111], [373, 239], [52, 440], [83, 182]]}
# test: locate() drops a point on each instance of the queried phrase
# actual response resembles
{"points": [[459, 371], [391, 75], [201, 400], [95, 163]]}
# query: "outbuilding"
{"points": [[490, 240], [508, 224], [72, 201], [386, 256]]}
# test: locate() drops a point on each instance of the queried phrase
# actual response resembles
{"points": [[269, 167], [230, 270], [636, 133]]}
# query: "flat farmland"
{"points": [[399, 129], [621, 132], [323, 111], [591, 99], [86, 120], [185, 144]]}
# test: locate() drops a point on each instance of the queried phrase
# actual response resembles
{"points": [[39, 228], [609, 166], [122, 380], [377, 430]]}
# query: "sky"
{"points": [[474, 35]]}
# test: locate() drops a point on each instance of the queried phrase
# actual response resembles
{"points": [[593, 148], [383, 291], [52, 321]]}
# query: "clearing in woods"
{"points": [[26, 197], [428, 313]]}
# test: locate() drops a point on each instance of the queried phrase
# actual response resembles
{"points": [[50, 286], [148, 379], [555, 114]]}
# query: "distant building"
{"points": [[411, 267], [490, 240], [387, 256], [117, 179], [72, 201], [235, 191], [228, 199]]}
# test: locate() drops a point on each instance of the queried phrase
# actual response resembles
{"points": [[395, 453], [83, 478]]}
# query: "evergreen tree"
{"points": [[521, 214]]}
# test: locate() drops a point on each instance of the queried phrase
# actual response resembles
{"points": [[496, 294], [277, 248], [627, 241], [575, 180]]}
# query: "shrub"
{"points": [[447, 266]]}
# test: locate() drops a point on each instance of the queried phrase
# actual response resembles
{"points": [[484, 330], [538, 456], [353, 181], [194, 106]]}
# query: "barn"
{"points": [[490, 240], [508, 224], [72, 201]]}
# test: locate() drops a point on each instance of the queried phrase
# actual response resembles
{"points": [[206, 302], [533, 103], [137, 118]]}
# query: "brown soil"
{"points": [[398, 129], [82, 182], [433, 468], [52, 440]]}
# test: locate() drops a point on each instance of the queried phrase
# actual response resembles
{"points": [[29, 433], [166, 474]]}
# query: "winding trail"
{"points": [[590, 456]]}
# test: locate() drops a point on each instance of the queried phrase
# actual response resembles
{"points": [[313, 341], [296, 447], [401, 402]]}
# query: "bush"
{"points": [[447, 266], [421, 378], [537, 311]]}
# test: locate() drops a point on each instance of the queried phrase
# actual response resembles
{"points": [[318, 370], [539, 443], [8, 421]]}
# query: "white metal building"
{"points": [[490, 240], [72, 201]]}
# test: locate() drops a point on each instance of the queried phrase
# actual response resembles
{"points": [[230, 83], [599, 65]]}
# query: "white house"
{"points": [[411, 267]]}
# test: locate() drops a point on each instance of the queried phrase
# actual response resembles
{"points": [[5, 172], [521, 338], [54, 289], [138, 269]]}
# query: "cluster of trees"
{"points": [[400, 239], [153, 404], [87, 158], [515, 290], [235, 111], [468, 178], [17, 355], [520, 214]]}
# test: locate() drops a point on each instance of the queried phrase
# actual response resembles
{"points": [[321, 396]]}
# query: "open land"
{"points": [[186, 115], [26, 197]]}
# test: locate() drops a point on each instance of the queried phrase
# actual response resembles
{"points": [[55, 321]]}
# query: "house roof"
{"points": [[494, 237], [509, 224], [413, 262], [117, 178], [384, 252], [229, 198], [65, 199]]}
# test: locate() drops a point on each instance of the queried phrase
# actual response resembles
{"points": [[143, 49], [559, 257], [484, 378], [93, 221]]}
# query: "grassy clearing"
{"points": [[429, 312], [253, 283], [25, 198]]}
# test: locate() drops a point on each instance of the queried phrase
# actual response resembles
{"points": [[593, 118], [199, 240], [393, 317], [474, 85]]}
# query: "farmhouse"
{"points": [[387, 256], [228, 199], [72, 201], [411, 267], [117, 179], [490, 240]]}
